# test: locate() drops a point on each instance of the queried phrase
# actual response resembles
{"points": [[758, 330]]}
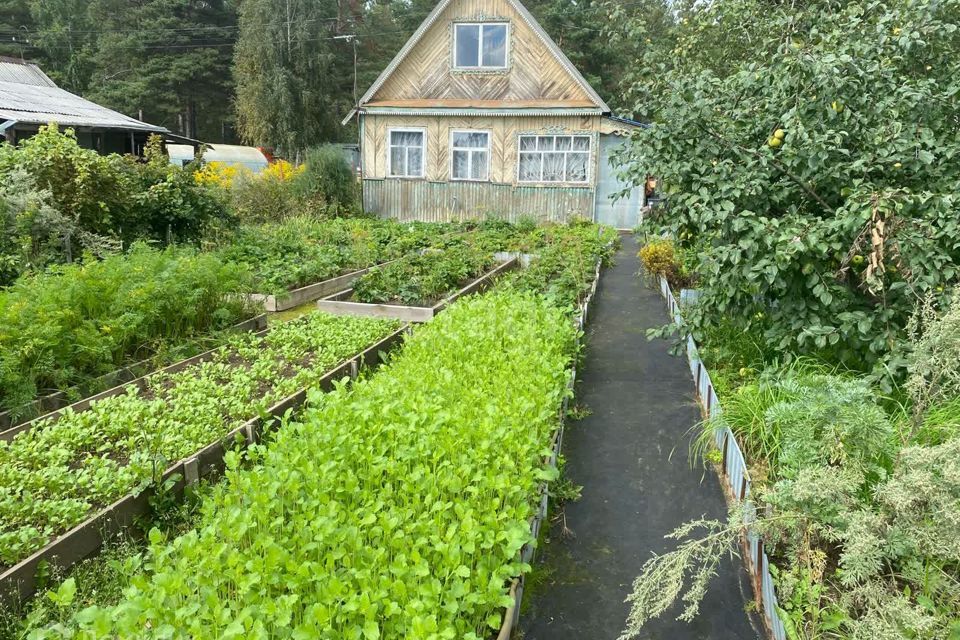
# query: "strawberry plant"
{"points": [[394, 509], [300, 251], [423, 279], [53, 475]]}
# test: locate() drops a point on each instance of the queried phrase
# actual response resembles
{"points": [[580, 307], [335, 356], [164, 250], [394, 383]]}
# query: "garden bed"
{"points": [[113, 383], [122, 379], [296, 297], [511, 616], [342, 304], [20, 581]]}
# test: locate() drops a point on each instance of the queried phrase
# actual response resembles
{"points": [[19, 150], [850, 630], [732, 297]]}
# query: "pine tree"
{"points": [[169, 59]]}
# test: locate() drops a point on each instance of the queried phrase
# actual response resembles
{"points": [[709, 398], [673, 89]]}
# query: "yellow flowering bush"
{"points": [[217, 174], [282, 170]]}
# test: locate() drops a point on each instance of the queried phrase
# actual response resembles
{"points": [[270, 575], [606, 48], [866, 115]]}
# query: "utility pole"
{"points": [[289, 22]]}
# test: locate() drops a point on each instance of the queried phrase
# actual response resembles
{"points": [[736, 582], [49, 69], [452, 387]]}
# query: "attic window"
{"points": [[480, 45]]}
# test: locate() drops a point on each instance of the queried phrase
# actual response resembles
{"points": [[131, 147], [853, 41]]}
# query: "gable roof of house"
{"points": [[527, 17], [28, 95]]}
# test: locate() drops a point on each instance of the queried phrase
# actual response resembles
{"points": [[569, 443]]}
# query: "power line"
{"points": [[283, 23]]}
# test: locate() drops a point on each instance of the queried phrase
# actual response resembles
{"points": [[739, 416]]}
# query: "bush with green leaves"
{"points": [[75, 322], [96, 203], [394, 508], [33, 233], [816, 170], [54, 474], [327, 182]]}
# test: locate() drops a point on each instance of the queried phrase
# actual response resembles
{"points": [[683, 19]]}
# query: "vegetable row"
{"points": [[302, 251], [423, 279], [394, 509], [62, 329], [53, 475]]}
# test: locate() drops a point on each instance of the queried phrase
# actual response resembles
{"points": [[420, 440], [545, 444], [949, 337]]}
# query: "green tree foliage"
{"points": [[67, 36], [815, 171], [58, 200], [169, 58], [15, 25], [289, 76]]}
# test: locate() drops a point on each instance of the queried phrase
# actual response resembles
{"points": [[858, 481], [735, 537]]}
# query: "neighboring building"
{"points": [[251, 158], [480, 113], [29, 99]]}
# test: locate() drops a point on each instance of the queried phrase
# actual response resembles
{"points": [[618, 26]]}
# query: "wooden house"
{"points": [[480, 114]]}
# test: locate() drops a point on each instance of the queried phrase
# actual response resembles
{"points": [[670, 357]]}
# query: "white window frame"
{"points": [[588, 151], [480, 66], [423, 152], [488, 149]]}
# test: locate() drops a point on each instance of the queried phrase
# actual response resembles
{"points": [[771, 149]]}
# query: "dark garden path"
{"points": [[630, 455]]}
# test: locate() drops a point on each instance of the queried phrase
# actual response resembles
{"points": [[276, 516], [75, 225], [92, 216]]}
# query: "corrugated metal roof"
{"points": [[31, 102], [13, 70]]}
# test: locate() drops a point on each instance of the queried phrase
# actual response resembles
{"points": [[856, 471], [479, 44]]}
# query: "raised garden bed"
{"points": [[511, 617], [111, 382], [296, 297], [20, 581], [55, 404], [341, 303]]}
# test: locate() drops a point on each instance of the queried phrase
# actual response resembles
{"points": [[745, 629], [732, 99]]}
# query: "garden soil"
{"points": [[631, 457]]}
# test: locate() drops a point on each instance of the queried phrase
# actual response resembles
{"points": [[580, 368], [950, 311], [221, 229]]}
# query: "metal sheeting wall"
{"points": [[443, 202]]}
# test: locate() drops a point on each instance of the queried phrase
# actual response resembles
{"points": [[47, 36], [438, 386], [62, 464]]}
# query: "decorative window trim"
{"points": [[481, 70], [554, 133], [423, 160], [488, 149]]}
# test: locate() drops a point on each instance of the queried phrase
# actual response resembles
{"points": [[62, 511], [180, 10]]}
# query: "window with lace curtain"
{"points": [[406, 153], [470, 155], [554, 159]]}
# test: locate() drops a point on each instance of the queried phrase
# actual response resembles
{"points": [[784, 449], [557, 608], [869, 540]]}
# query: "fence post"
{"points": [[726, 439]]}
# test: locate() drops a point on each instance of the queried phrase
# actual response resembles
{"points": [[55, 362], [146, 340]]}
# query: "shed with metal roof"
{"points": [[29, 99]]}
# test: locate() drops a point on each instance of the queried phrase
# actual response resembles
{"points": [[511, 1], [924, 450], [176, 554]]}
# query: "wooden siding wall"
{"points": [[456, 201], [533, 73], [504, 143]]}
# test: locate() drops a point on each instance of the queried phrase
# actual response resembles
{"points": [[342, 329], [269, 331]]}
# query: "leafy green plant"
{"points": [[302, 250], [815, 170], [423, 278], [564, 258], [659, 258], [100, 201], [395, 508], [329, 180], [75, 322], [54, 474]]}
